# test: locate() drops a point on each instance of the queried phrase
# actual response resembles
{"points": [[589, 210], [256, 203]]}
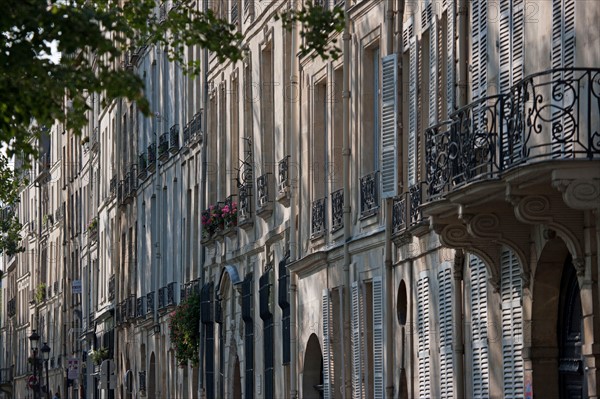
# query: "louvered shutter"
{"points": [[378, 377], [248, 317], [445, 320], [433, 71], [412, 111], [479, 49], [512, 326], [356, 343], [389, 148], [479, 359], [563, 56], [450, 71], [266, 315], [424, 366], [326, 345], [511, 69]]}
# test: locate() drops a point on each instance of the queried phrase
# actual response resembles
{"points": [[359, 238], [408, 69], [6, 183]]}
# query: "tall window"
{"points": [[319, 144], [371, 111], [267, 110]]}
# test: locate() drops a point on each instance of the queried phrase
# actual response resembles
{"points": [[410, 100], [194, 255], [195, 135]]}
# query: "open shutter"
{"points": [[433, 71], [479, 49], [450, 71], [512, 325], [563, 56], [378, 377], [423, 335], [479, 359], [389, 123], [356, 343], [445, 319], [326, 345], [412, 111]]}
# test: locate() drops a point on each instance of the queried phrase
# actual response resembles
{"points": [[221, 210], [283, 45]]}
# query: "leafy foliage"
{"points": [[184, 326], [99, 355], [10, 227], [318, 23]]}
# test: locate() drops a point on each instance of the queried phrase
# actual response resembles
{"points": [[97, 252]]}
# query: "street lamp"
{"points": [[34, 338], [46, 355]]}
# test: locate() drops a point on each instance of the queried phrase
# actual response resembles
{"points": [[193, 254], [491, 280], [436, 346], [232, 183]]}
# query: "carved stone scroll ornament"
{"points": [[580, 194]]}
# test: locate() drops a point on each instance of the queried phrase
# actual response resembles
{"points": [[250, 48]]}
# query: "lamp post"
{"points": [[34, 338], [46, 355]]}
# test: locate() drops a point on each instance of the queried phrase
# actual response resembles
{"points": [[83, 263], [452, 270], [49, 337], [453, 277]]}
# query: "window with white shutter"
{"points": [[389, 148], [433, 71], [479, 25], [450, 71], [511, 291], [378, 377], [563, 56], [446, 382], [479, 345], [357, 385], [412, 111], [424, 366], [326, 345]]}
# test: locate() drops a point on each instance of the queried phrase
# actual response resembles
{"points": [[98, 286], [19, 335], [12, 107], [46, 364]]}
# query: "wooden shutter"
{"points": [[433, 71], [326, 345], [478, 49], [248, 317], [356, 343], [450, 71], [389, 123], [512, 325], [480, 367], [424, 366], [412, 112], [563, 56], [445, 320], [378, 373]]}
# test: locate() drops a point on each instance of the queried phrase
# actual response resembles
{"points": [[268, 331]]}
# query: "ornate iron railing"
{"points": [[139, 307], [369, 194], [283, 181], [318, 222], [262, 191], [161, 297], [142, 380], [113, 186], [399, 214], [11, 307], [132, 180], [245, 205], [171, 294], [230, 215], [186, 135], [174, 139], [163, 146], [150, 302], [143, 164], [337, 209], [131, 307], [551, 115], [121, 191], [152, 157]]}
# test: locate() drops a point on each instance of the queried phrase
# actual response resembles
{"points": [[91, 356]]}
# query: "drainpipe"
{"points": [[294, 104], [346, 36], [202, 199], [457, 306]]}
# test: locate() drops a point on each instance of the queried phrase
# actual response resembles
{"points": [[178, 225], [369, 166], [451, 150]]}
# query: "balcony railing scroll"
{"points": [[142, 165], [369, 195], [245, 203], [337, 209], [139, 307], [283, 180], [171, 289], [152, 157], [318, 222], [551, 115], [150, 302], [163, 147], [174, 139]]}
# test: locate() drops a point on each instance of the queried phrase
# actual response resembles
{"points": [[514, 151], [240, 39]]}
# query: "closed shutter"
{"points": [[424, 366], [356, 343], [412, 112], [207, 318], [248, 317], [284, 304], [389, 148], [450, 71], [511, 69], [563, 56], [445, 320], [512, 325], [326, 345], [378, 377], [479, 359], [479, 49], [266, 315], [433, 71]]}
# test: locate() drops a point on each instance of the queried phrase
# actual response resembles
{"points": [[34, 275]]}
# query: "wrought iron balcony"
{"points": [[369, 195], [245, 205], [131, 307], [406, 211], [150, 302], [283, 176], [132, 180], [318, 218], [161, 297], [56, 288], [6, 375], [552, 115], [263, 197], [111, 288], [113, 186], [139, 307], [152, 157], [142, 380], [121, 191], [174, 139], [11, 307], [171, 300], [124, 310], [94, 139], [196, 128], [163, 147], [143, 164], [337, 209], [399, 215], [127, 188], [186, 138], [229, 211]]}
